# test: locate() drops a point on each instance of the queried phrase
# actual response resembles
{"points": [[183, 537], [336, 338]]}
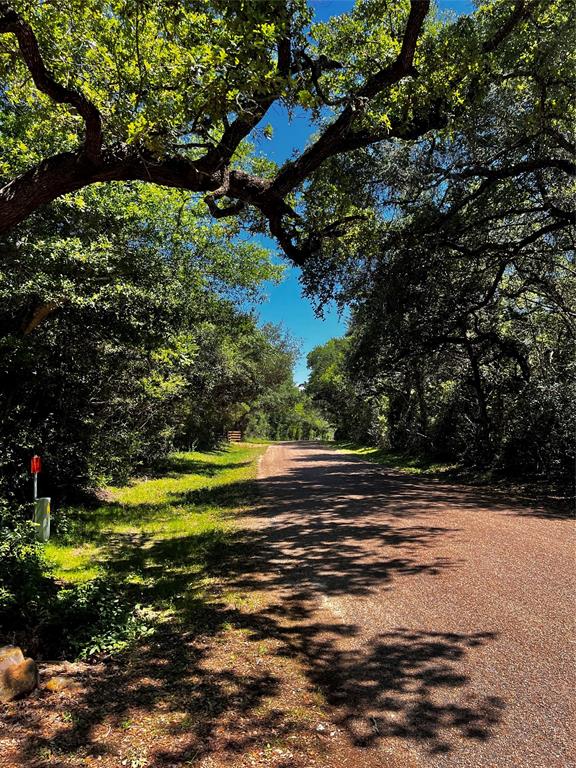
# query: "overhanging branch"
{"points": [[11, 22], [68, 172], [330, 141]]}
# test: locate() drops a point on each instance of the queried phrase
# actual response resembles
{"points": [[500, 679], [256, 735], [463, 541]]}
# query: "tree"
{"points": [[169, 93], [344, 404], [461, 281], [463, 288], [107, 298], [239, 366], [287, 413]]}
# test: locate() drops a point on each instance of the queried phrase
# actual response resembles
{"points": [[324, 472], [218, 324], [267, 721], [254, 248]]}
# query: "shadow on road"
{"points": [[319, 530], [329, 526]]}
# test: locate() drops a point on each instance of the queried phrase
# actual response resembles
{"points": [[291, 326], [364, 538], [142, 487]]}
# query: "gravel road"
{"points": [[438, 624]]}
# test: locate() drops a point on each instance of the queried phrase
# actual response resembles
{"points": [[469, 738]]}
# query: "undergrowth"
{"points": [[113, 572], [415, 465]]}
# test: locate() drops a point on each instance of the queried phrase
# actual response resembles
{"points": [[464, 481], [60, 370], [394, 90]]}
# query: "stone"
{"points": [[10, 654], [61, 683], [18, 676], [18, 680]]}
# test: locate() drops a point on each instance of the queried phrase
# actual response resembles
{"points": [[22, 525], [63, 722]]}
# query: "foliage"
{"points": [[287, 413], [104, 334], [461, 280], [408, 463], [107, 595], [25, 582], [331, 389], [157, 73], [177, 94], [237, 367], [95, 618], [36, 612]]}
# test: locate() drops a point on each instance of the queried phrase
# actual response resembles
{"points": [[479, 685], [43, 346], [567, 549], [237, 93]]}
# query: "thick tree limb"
{"points": [[329, 142], [241, 127], [68, 172], [521, 10], [39, 315], [11, 22]]}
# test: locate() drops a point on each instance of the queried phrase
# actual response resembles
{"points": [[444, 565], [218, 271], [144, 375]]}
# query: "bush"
{"points": [[97, 619], [49, 620], [26, 587]]}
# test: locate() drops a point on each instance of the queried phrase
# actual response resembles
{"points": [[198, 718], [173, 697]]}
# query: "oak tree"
{"points": [[169, 92]]}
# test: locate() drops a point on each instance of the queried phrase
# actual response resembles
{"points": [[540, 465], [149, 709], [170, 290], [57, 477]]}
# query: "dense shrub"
{"points": [[26, 588], [51, 621], [95, 618]]}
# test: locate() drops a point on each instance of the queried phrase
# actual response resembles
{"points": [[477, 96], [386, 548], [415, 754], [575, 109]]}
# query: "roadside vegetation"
{"points": [[168, 655], [115, 571], [413, 465]]}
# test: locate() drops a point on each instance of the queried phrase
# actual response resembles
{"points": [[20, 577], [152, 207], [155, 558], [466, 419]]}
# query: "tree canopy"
{"points": [[461, 279], [120, 335], [174, 94]]}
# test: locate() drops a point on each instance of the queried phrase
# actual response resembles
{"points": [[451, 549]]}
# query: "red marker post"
{"points": [[35, 467], [41, 506]]}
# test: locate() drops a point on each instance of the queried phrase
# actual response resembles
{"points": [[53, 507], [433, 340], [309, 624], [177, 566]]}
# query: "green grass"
{"points": [[261, 441], [157, 536], [414, 465]]}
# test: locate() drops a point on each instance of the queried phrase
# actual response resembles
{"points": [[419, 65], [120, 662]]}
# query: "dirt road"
{"points": [[438, 625]]}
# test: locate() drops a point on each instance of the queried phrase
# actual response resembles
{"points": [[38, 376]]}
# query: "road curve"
{"points": [[438, 624]]}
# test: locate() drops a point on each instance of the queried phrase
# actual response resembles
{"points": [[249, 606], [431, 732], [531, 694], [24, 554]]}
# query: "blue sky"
{"points": [[285, 304]]}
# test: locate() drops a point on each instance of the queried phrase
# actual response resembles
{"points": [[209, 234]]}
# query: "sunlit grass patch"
{"points": [[262, 441], [414, 465], [157, 536], [73, 564], [189, 471]]}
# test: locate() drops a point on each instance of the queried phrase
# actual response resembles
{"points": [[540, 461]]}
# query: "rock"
{"points": [[61, 683], [18, 675], [10, 654]]}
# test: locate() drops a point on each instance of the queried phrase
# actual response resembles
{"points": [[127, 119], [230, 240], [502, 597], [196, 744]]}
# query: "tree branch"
{"points": [[241, 127], [331, 140], [39, 315], [228, 210], [11, 22], [525, 166], [68, 172], [520, 11]]}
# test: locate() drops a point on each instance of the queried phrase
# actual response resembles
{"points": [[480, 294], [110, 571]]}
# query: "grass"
{"points": [[414, 465], [261, 441], [158, 535]]}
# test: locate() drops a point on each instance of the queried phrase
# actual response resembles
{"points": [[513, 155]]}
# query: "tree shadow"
{"points": [[177, 465], [395, 690], [199, 703], [394, 687], [316, 531]]}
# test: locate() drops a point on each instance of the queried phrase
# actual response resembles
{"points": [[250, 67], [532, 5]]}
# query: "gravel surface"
{"points": [[438, 624]]}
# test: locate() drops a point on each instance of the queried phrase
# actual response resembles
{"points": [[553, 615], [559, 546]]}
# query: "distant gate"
{"points": [[234, 437]]}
